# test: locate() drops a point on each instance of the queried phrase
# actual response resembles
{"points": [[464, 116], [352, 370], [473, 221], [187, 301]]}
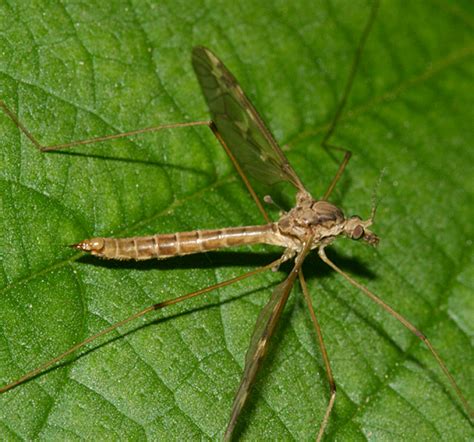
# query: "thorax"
{"points": [[320, 220]]}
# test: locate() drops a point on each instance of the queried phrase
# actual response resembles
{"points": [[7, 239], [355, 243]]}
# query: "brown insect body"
{"points": [[319, 220], [323, 222], [162, 246]]}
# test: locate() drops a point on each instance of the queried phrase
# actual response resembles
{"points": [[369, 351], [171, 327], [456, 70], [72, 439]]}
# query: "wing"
{"points": [[264, 328], [239, 124]]}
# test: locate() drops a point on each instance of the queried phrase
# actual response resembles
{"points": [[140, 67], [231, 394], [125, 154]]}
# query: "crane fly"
{"points": [[310, 225]]}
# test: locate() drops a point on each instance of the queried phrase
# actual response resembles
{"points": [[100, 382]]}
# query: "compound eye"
{"points": [[358, 232]]}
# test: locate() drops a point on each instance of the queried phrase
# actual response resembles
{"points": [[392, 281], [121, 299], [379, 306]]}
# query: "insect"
{"points": [[329, 217], [310, 225]]}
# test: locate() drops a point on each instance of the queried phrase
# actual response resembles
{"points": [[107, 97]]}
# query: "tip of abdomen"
{"points": [[94, 245]]}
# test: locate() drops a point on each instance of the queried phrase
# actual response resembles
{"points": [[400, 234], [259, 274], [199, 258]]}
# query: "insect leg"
{"points": [[241, 173], [340, 170], [158, 306], [264, 328], [342, 103], [327, 365], [407, 324], [50, 148], [87, 141]]}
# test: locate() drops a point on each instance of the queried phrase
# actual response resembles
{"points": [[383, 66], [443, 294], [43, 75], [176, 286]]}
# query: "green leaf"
{"points": [[73, 71]]}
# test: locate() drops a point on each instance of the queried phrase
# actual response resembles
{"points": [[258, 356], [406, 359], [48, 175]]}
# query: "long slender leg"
{"points": [[263, 330], [241, 173], [342, 103], [87, 141], [327, 365], [406, 323], [53, 147], [131, 318]]}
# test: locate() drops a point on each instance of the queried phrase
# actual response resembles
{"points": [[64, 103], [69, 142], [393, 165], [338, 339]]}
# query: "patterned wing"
{"points": [[239, 124], [264, 328]]}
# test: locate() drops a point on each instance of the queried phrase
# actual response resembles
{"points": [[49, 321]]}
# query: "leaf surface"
{"points": [[73, 71]]}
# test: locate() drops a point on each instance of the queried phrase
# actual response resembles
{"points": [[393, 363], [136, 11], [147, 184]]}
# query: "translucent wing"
{"points": [[239, 124], [264, 328]]}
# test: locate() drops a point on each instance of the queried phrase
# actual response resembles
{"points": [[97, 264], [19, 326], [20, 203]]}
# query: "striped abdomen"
{"points": [[176, 244]]}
